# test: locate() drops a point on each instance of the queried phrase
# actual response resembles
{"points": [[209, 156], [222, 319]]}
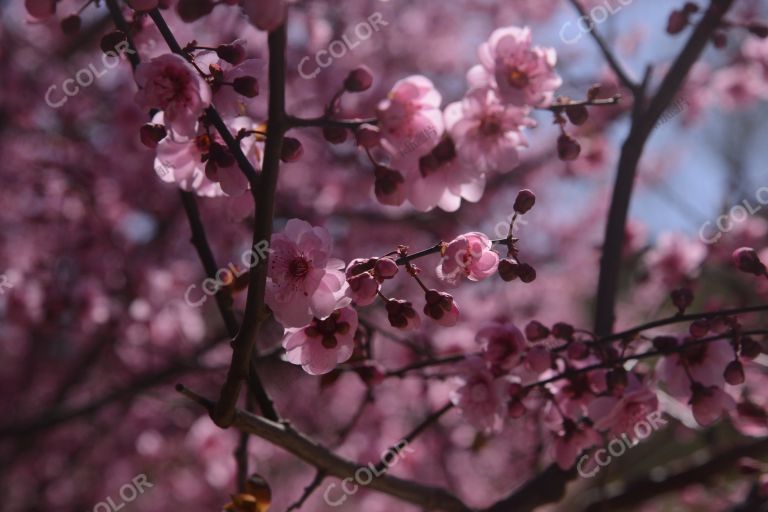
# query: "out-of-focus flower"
{"points": [[706, 363], [304, 282], [486, 132], [481, 397], [171, 84], [266, 15], [522, 73], [503, 344], [708, 403], [620, 415], [571, 441], [675, 258], [411, 109], [470, 256], [323, 344]]}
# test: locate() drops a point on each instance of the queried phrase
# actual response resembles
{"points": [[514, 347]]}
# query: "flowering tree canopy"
{"points": [[381, 255]]}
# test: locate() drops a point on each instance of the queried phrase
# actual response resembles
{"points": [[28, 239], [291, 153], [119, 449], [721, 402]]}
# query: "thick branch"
{"points": [[642, 125], [293, 441]]}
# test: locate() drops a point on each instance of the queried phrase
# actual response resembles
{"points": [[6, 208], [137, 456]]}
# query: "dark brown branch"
{"points": [[642, 125], [323, 121], [283, 435], [255, 310]]}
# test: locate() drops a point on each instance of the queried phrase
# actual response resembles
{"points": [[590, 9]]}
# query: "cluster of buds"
{"points": [[510, 268]]}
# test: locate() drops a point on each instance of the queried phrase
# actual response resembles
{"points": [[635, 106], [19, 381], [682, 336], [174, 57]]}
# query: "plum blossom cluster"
{"points": [[460, 144]]}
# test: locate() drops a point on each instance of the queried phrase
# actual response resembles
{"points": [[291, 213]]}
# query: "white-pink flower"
{"points": [[265, 14], [522, 73], [705, 362], [171, 84], [469, 256], [571, 441], [303, 281], [481, 398], [487, 133], [503, 344], [411, 111], [708, 403], [323, 344], [675, 257]]}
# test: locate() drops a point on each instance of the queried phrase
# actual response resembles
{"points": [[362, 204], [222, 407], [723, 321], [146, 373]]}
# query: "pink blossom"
{"points": [[481, 397], [226, 99], [523, 74], [706, 363], [441, 307], [675, 258], [323, 344], [40, 8], [708, 403], [266, 15], [620, 415], [503, 345], [468, 255], [411, 109], [571, 440], [304, 282], [171, 84], [441, 179], [486, 132], [184, 161]]}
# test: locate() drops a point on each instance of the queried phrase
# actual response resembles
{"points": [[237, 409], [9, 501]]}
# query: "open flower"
{"points": [[481, 397], [486, 132], [503, 345], [468, 255], [304, 282], [411, 110], [708, 403], [171, 84], [323, 344], [522, 73], [620, 415]]}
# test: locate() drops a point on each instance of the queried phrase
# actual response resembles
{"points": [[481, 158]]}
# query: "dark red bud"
{"points": [[524, 201], [720, 40], [359, 79], [292, 150], [152, 134], [562, 331], [677, 22], [578, 350], [734, 373], [699, 328], [232, 53], [536, 331], [71, 24], [335, 134], [746, 260], [682, 298], [665, 344], [527, 273], [568, 148], [247, 86], [193, 10], [368, 136], [578, 114], [758, 29], [750, 349]]}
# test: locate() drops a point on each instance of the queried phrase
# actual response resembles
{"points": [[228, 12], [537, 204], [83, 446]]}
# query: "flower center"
{"points": [[299, 267], [518, 78], [490, 126]]}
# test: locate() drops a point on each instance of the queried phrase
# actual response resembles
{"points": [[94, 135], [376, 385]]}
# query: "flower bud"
{"points": [[292, 150], [368, 136], [359, 79], [568, 148], [616, 380], [71, 24], [402, 315], [665, 344], [699, 328], [152, 134], [246, 86], [750, 348], [385, 268], [746, 260], [232, 53], [682, 298], [536, 331], [734, 373], [527, 273], [578, 350], [720, 40], [111, 40], [193, 10], [335, 134], [524, 201], [509, 269], [441, 307], [389, 186], [690, 8], [677, 22], [577, 114], [562, 331], [539, 359]]}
